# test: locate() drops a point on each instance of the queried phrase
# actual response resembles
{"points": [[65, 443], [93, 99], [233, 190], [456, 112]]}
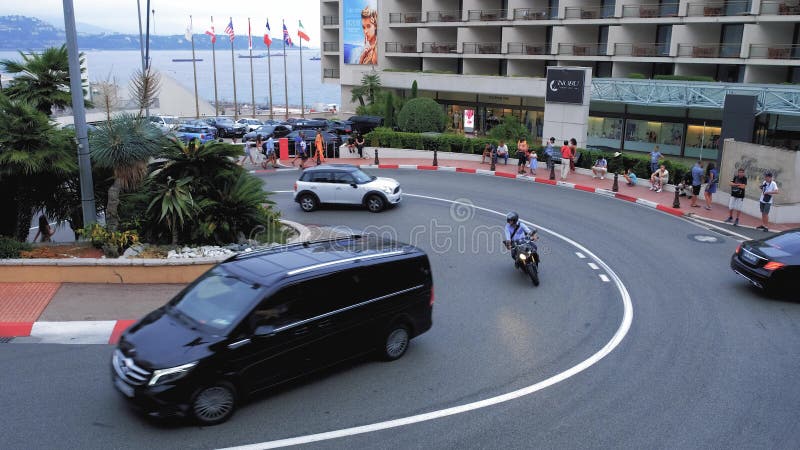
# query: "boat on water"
{"points": [[315, 58], [254, 56], [186, 59]]}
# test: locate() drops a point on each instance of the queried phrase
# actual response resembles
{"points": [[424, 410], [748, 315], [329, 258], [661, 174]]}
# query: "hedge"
{"points": [[457, 143]]}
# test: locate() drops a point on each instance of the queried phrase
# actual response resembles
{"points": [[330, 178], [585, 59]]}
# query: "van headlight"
{"points": [[163, 376]]}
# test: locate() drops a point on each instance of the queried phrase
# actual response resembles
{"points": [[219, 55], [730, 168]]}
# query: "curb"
{"points": [[68, 332]]}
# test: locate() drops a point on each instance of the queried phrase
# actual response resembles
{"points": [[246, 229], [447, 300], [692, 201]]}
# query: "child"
{"points": [[534, 164], [630, 177]]}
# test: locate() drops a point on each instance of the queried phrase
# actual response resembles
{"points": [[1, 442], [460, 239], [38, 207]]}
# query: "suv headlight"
{"points": [[163, 376], [387, 189]]}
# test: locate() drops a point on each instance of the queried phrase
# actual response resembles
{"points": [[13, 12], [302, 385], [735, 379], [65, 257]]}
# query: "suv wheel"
{"points": [[396, 342], [214, 404], [308, 202], [375, 203]]}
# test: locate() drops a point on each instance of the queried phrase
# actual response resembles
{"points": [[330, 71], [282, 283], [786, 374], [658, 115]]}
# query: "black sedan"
{"points": [[276, 131], [226, 127], [772, 263]]}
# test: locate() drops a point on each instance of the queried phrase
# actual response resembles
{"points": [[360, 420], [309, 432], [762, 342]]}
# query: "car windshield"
{"points": [[217, 299], [361, 177], [789, 242], [225, 121]]}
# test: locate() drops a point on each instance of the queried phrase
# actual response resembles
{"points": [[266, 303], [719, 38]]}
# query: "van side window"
{"points": [[287, 306], [384, 279]]}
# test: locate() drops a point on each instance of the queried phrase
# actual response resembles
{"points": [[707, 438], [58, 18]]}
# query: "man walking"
{"points": [[738, 184], [768, 189], [566, 157], [697, 181]]}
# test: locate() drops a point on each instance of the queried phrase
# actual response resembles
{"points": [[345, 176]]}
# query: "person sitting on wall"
{"points": [[659, 178], [630, 177], [600, 168]]}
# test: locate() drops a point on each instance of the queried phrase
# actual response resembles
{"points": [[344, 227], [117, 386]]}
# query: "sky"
{"points": [[172, 16]]}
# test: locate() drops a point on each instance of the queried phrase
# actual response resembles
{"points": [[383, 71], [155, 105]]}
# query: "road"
{"points": [[707, 362]]}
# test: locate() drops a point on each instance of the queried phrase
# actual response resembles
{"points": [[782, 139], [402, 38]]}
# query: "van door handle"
{"points": [[325, 323], [301, 330]]}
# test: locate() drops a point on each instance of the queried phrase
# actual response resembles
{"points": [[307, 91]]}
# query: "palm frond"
{"points": [[144, 88]]}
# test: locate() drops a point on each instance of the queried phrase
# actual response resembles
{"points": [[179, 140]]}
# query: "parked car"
{"points": [[345, 184], [365, 124], [332, 142], [250, 124], [226, 127], [257, 320], [772, 263], [310, 124], [276, 131], [187, 133], [165, 123], [340, 127], [199, 123]]}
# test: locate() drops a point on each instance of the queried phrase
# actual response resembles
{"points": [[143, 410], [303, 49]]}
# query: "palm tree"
{"points": [[42, 79], [125, 145], [174, 204], [372, 85]]}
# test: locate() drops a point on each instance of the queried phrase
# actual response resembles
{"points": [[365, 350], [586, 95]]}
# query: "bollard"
{"points": [[552, 167], [492, 166], [435, 160], [377, 161], [615, 186], [676, 203]]}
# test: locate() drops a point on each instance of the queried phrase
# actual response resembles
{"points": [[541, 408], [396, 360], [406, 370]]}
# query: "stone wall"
{"points": [[757, 159]]}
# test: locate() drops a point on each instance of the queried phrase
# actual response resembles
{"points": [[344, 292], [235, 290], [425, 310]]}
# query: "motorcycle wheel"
{"points": [[533, 272]]}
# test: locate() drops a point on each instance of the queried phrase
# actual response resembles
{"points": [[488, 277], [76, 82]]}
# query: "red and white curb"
{"points": [[68, 332]]}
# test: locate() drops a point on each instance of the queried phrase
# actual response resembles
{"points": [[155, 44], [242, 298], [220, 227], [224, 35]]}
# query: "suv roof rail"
{"points": [[268, 250]]}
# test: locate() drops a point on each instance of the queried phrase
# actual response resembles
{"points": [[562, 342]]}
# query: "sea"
{"points": [[121, 65]]}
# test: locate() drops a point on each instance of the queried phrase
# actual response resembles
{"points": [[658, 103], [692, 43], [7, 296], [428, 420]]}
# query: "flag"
{"points": [[267, 39], [302, 32], [249, 36], [286, 38], [211, 32], [229, 29], [188, 34]]}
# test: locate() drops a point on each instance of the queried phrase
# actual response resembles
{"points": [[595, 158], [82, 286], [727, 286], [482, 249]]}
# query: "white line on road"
{"points": [[580, 255], [604, 278], [616, 339], [594, 266]]}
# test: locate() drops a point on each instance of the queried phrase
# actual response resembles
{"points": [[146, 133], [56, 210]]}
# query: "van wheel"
{"points": [[308, 202], [375, 203], [396, 342], [214, 404]]}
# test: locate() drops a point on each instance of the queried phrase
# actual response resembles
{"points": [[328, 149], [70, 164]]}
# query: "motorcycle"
{"points": [[526, 257]]}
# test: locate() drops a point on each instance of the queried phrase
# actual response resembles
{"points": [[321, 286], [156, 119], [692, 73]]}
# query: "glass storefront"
{"points": [[605, 133], [644, 135], [702, 141]]}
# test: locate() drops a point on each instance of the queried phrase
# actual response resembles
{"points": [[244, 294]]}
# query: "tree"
{"points": [[370, 88], [510, 129], [414, 89], [144, 88], [420, 115], [125, 145], [42, 79], [388, 117]]}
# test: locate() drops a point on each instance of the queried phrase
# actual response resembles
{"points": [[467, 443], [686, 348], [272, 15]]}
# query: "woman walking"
{"points": [[44, 230], [319, 143], [713, 179]]}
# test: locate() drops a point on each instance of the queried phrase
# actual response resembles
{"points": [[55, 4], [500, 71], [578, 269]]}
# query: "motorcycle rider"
{"points": [[515, 231]]}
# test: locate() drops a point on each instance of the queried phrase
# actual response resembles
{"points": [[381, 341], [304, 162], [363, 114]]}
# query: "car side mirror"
{"points": [[264, 330], [353, 185]]}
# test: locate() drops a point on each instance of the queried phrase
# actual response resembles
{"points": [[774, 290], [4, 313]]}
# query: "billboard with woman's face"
{"points": [[360, 31]]}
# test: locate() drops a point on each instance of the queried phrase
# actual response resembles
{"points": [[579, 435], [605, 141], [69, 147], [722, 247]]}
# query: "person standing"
{"points": [[522, 157], [299, 146], [360, 145], [319, 144], [738, 185], [269, 150], [768, 189], [534, 162], [655, 157], [549, 151], [44, 230], [573, 147], [566, 157], [712, 178], [697, 181]]}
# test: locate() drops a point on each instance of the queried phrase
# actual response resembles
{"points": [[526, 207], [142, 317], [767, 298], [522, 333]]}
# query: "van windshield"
{"points": [[217, 299]]}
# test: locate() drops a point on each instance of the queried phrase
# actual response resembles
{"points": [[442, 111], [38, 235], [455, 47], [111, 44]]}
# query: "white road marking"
{"points": [[407, 166], [604, 278], [281, 192], [647, 203], [580, 255], [594, 266], [616, 339]]}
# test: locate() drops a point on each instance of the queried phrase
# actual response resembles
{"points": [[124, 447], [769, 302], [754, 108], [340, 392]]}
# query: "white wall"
{"points": [[564, 121], [765, 74]]}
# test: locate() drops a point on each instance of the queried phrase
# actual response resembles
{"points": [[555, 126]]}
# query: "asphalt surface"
{"points": [[708, 361]]}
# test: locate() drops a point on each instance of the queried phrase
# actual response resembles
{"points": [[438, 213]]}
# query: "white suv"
{"points": [[345, 184]]}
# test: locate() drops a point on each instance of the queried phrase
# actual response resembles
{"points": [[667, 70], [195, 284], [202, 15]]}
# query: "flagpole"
{"points": [[285, 78], [269, 79], [302, 99], [214, 64], [252, 85], [194, 71], [233, 68]]}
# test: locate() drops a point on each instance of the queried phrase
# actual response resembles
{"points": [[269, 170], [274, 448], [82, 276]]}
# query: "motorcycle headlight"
{"points": [[522, 256], [164, 376]]}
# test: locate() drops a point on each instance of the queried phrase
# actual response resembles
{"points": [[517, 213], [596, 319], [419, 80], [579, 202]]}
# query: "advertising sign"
{"points": [[469, 120], [565, 86], [360, 31]]}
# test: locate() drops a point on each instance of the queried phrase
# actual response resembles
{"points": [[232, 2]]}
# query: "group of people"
{"points": [[356, 144], [526, 157], [254, 150]]}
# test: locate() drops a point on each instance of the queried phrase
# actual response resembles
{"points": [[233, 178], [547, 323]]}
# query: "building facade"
{"points": [[490, 57]]}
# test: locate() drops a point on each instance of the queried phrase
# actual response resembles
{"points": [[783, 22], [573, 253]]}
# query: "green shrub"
{"points": [[113, 243], [510, 130], [639, 162], [10, 248], [420, 115], [637, 76], [684, 78]]}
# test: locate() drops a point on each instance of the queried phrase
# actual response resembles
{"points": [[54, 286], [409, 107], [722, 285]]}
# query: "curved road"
{"points": [[707, 362]]}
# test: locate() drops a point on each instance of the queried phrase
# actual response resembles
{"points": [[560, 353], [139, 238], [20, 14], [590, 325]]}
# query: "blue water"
{"points": [[123, 63]]}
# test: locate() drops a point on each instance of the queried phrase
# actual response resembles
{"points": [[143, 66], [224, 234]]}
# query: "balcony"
{"points": [[590, 49], [651, 10], [717, 9], [482, 48], [330, 20], [535, 14], [589, 12], [709, 50], [444, 16], [522, 48], [642, 50], [784, 8], [439, 47], [408, 17], [487, 15], [775, 51], [399, 47], [330, 46], [330, 73]]}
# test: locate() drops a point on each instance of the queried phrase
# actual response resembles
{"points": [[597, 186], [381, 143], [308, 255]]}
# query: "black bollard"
{"points": [[492, 166], [377, 161], [676, 203], [435, 159], [552, 168], [615, 186]]}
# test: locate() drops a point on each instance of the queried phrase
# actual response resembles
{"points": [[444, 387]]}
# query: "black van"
{"points": [[365, 124], [268, 316]]}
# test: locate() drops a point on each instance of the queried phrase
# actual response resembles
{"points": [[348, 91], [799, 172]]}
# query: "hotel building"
{"points": [[491, 56]]}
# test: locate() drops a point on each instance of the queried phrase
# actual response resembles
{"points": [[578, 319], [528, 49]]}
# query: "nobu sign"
{"points": [[565, 86]]}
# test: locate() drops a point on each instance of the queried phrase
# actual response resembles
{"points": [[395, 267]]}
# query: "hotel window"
{"points": [[731, 40], [737, 8], [644, 135], [553, 5], [668, 8], [602, 40], [607, 8], [663, 38]]}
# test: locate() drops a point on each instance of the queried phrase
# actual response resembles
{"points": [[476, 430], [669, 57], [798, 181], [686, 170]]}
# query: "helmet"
{"points": [[512, 217]]}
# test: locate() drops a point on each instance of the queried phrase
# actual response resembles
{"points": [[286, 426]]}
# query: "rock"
{"points": [[171, 254]]}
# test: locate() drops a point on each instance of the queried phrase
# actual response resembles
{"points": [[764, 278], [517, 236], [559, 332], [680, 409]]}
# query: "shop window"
{"points": [[605, 133], [644, 135], [702, 141]]}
